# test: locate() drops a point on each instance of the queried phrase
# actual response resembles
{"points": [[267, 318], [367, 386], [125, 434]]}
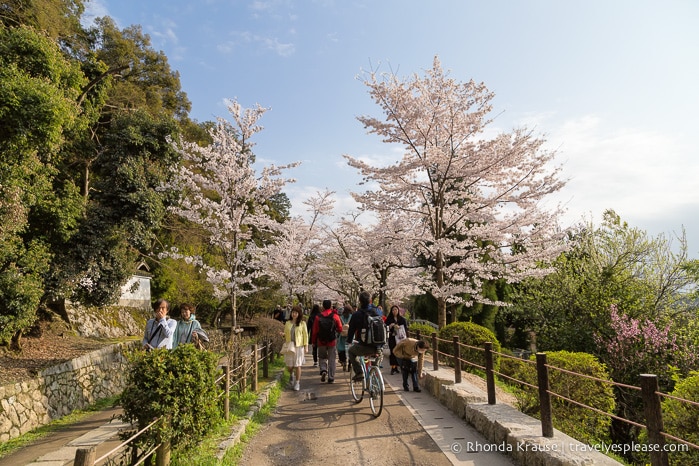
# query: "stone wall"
{"points": [[60, 389]]}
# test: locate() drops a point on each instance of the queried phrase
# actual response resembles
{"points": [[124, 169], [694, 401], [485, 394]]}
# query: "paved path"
{"points": [[414, 426], [57, 449], [322, 425]]}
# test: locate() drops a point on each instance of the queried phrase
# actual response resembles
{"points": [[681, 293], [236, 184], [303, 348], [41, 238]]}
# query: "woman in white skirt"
{"points": [[295, 343]]}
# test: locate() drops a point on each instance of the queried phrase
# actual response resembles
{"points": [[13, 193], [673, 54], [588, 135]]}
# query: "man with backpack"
{"points": [[325, 329], [365, 333]]}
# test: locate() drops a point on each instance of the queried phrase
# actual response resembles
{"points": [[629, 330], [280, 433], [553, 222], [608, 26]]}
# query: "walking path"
{"points": [[57, 449], [459, 442]]}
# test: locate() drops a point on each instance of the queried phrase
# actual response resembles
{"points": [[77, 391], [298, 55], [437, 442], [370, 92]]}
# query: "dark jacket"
{"points": [[398, 321], [356, 324]]}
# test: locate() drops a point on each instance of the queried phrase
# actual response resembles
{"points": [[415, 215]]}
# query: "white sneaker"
{"points": [[297, 386]]}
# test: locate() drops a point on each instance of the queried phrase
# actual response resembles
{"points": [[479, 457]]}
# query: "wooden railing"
{"points": [[236, 378], [648, 387]]}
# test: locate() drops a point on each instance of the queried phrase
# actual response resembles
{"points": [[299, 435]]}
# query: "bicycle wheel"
{"points": [[375, 391], [356, 388]]}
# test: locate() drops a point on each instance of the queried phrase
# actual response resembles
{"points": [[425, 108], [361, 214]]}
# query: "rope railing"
{"points": [[126, 442], [648, 388], [256, 355]]}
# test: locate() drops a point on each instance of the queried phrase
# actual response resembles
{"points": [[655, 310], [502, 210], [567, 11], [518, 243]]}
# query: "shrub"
{"points": [[179, 386], [512, 367], [580, 423], [268, 329], [681, 419], [469, 334], [426, 331]]}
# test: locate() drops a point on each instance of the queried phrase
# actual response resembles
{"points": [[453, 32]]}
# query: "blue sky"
{"points": [[612, 85]]}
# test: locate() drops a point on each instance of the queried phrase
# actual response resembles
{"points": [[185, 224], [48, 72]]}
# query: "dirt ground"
{"points": [[49, 344]]}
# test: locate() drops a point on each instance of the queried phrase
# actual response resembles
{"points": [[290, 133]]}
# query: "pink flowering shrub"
{"points": [[640, 347]]}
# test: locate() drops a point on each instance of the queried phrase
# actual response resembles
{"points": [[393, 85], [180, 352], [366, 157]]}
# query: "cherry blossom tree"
{"points": [[221, 192], [370, 255], [478, 199], [293, 257]]}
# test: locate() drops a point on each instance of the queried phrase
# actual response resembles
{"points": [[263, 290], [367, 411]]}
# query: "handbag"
{"points": [[400, 333], [288, 347]]}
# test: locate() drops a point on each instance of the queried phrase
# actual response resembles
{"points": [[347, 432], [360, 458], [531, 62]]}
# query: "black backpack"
{"points": [[327, 329], [374, 332]]}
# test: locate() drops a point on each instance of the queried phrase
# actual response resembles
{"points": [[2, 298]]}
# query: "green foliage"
{"points": [[610, 264], [177, 386], [578, 422], [682, 419], [469, 334], [57, 18], [21, 288], [426, 331], [271, 330], [38, 90], [424, 306]]}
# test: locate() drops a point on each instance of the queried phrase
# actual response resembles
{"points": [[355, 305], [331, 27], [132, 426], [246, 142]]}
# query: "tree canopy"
{"points": [[478, 199]]}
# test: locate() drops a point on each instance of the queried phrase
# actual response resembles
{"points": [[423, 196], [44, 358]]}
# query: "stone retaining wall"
{"points": [[60, 389], [507, 429]]}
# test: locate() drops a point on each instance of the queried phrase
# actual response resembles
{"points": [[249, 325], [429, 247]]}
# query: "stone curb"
{"points": [[509, 431]]}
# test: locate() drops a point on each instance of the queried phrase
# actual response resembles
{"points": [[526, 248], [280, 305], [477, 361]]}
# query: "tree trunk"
{"points": [[441, 312], [441, 301], [234, 310], [16, 341]]}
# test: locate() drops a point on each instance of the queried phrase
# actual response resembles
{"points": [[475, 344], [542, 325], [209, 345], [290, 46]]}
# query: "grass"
{"points": [[40, 432]]}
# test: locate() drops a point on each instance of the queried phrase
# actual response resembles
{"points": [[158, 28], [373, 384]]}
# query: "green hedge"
{"points": [[469, 334], [426, 331], [580, 423], [178, 386], [682, 419]]}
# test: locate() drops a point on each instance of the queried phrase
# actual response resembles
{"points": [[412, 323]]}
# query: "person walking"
{"points": [[160, 329], [411, 356], [324, 336], [397, 330], [295, 332], [345, 317], [315, 312]]}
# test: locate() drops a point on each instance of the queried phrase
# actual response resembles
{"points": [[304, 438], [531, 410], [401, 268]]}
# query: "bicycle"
{"points": [[372, 383]]}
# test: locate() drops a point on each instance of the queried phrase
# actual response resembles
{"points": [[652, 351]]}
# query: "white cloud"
{"points": [[640, 174], [283, 50]]}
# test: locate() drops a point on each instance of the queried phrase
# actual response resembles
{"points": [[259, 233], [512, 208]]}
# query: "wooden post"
{"points": [[227, 394], [654, 419], [244, 375], [254, 367], [542, 375], [435, 352], [489, 372], [85, 457], [457, 360], [265, 360], [162, 453]]}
